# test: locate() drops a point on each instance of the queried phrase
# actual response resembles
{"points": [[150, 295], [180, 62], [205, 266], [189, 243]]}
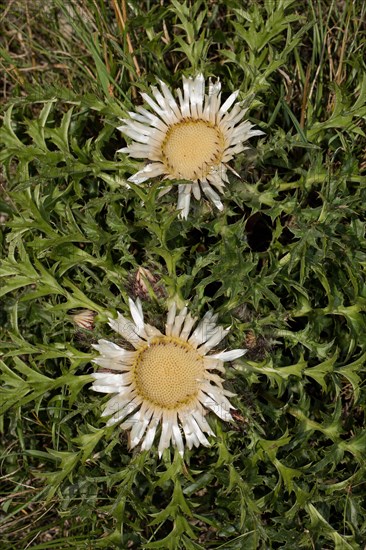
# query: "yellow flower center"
{"points": [[168, 372], [191, 148]]}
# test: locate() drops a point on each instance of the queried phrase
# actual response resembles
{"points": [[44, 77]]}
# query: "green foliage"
{"points": [[283, 264]]}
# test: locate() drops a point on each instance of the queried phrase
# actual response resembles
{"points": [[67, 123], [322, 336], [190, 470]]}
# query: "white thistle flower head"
{"points": [[169, 380], [190, 139], [84, 318]]}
